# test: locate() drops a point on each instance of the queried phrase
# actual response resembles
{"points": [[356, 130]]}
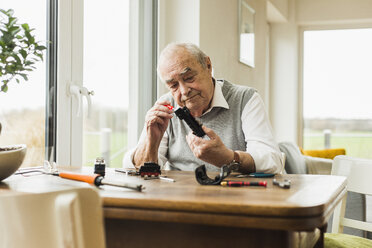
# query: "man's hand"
{"points": [[156, 122], [212, 151], [157, 119]]}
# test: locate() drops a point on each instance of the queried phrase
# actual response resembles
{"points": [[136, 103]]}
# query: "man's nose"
{"points": [[184, 89]]}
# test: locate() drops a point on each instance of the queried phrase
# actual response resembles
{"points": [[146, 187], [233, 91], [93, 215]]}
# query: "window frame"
{"points": [[142, 73], [302, 29], [51, 83]]}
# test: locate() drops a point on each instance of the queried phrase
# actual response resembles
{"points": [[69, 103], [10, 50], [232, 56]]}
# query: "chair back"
{"points": [[282, 160], [62, 218], [294, 160], [359, 180]]}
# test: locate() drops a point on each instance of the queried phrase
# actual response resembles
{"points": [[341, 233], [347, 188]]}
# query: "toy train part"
{"points": [[150, 169]]}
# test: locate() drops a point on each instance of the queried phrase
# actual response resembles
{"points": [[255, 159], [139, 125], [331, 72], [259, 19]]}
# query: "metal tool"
{"points": [[98, 180], [165, 178], [47, 168], [136, 173], [286, 184], [128, 172]]}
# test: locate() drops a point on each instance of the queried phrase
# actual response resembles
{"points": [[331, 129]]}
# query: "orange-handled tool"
{"points": [[80, 177], [98, 180]]}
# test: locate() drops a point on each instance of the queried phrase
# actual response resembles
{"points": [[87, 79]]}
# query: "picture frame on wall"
{"points": [[246, 33]]}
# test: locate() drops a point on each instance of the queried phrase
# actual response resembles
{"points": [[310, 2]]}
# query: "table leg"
{"points": [[320, 243]]}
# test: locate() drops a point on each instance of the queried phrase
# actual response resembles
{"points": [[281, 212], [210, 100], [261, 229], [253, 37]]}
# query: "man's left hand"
{"points": [[212, 151]]}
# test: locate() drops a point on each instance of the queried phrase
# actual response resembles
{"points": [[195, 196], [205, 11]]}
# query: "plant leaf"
{"points": [[25, 27], [40, 48], [23, 53], [4, 88], [12, 21], [24, 76], [10, 12]]}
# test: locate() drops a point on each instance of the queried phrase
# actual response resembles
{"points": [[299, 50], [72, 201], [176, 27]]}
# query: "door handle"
{"points": [[77, 92]]}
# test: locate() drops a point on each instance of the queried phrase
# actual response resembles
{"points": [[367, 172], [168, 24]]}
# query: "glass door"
{"points": [[106, 77], [106, 73]]}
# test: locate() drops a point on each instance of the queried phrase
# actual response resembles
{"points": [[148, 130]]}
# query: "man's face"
{"points": [[191, 85]]}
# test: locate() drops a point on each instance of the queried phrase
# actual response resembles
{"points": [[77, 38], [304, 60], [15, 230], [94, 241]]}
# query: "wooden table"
{"points": [[186, 214]]}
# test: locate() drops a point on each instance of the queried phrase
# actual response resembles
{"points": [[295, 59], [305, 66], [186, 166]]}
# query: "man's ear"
{"points": [[208, 63]]}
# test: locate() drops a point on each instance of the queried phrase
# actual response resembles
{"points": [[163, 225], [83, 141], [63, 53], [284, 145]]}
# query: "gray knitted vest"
{"points": [[226, 123]]}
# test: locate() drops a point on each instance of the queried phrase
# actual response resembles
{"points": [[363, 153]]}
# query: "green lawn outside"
{"points": [[357, 144], [92, 148]]}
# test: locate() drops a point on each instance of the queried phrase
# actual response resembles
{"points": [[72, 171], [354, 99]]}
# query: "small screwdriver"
{"points": [[98, 180], [243, 183], [170, 107]]}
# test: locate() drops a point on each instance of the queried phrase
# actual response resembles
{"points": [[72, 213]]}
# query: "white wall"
{"points": [[178, 22], [277, 10], [284, 77], [219, 39], [333, 11], [217, 35]]}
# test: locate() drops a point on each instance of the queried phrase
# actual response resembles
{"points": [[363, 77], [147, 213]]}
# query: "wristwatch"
{"points": [[235, 164]]}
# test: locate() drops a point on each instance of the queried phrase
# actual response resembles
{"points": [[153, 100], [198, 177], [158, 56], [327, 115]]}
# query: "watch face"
{"points": [[236, 157]]}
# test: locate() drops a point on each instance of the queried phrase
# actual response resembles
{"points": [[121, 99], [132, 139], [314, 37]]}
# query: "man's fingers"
{"points": [[160, 106], [158, 113], [209, 132], [155, 120], [189, 141]]}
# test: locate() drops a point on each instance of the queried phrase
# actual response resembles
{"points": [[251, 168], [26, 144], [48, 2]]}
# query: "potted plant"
{"points": [[19, 52]]}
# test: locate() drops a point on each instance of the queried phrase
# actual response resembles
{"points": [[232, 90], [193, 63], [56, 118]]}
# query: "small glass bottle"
{"points": [[100, 166]]}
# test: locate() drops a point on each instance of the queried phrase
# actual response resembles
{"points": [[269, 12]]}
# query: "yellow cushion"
{"points": [[326, 153], [341, 240]]}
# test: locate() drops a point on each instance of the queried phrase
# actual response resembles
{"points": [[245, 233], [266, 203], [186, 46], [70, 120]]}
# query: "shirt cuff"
{"points": [[267, 162], [128, 159]]}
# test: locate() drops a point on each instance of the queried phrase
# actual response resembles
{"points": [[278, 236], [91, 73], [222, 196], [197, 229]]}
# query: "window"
{"points": [[109, 48], [22, 108], [337, 79], [106, 72]]}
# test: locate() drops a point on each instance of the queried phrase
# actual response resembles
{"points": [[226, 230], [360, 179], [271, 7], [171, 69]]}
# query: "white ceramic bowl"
{"points": [[11, 158]]}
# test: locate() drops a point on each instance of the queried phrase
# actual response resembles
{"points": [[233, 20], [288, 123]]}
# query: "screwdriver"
{"points": [[243, 183], [98, 180]]}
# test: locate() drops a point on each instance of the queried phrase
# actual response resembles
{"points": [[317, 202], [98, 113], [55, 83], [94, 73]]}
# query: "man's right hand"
{"points": [[157, 119], [156, 122]]}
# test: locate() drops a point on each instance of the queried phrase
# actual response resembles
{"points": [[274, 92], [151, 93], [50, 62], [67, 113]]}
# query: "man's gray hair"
{"points": [[193, 49]]}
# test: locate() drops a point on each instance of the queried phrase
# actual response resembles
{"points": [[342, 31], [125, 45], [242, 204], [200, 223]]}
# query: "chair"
{"points": [[297, 163], [359, 175], [63, 218], [324, 153]]}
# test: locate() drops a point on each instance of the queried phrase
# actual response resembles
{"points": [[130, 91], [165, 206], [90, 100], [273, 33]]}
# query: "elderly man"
{"points": [[233, 118]]}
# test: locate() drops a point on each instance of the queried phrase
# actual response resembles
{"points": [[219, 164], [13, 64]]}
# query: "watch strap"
{"points": [[235, 163]]}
